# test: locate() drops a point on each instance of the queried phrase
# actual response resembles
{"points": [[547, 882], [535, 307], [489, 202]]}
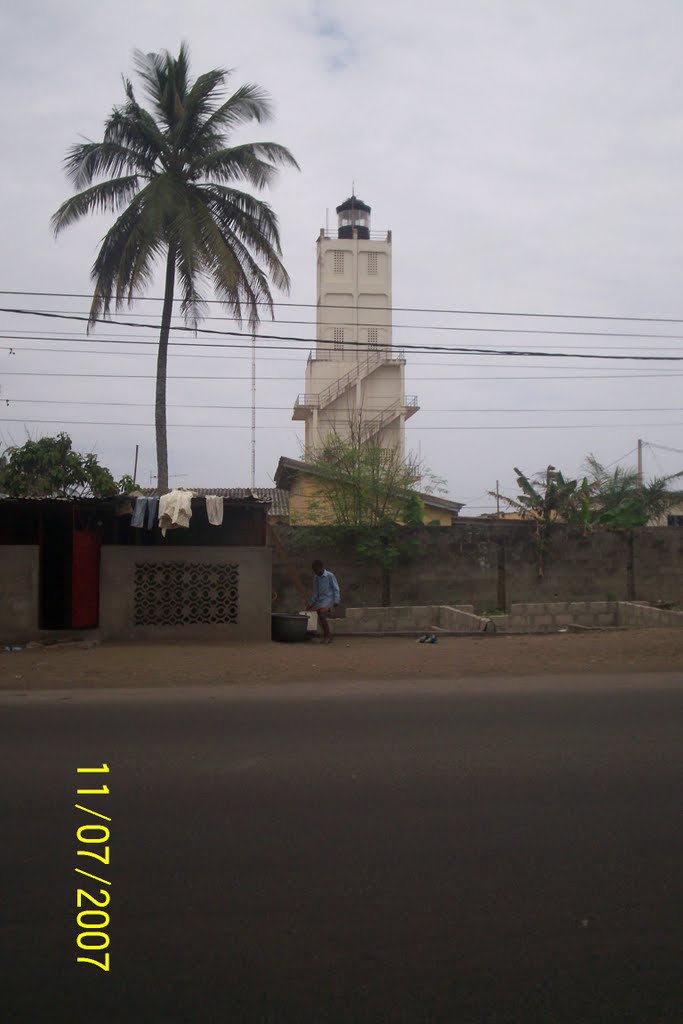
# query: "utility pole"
{"points": [[135, 467], [497, 499], [640, 463], [253, 410]]}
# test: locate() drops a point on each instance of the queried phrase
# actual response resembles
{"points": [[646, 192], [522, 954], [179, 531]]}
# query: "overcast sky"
{"points": [[526, 154]]}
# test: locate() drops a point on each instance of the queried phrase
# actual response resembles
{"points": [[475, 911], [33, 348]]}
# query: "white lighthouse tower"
{"points": [[355, 378]]}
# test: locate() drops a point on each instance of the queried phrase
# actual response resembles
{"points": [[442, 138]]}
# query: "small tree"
{"points": [[361, 484], [547, 499], [49, 467], [367, 493]]}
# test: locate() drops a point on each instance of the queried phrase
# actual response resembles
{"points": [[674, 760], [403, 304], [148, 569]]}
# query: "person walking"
{"points": [[325, 597]]}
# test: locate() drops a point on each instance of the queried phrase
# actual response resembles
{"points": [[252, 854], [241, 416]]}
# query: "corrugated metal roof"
{"points": [[276, 497]]}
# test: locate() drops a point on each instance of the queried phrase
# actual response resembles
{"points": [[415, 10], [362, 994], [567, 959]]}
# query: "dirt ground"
{"points": [[71, 666]]}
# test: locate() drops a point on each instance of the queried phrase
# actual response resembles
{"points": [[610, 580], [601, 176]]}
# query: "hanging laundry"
{"points": [[152, 508], [214, 509], [139, 511], [175, 510], [144, 512]]}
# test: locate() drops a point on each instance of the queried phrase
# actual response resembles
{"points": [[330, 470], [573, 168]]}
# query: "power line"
{"points": [[395, 309], [247, 426], [459, 412], [441, 377], [359, 346], [610, 464], [93, 349], [308, 343], [80, 315], [139, 339], [678, 451]]}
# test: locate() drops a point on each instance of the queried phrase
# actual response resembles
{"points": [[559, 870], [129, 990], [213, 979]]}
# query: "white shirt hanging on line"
{"points": [[214, 509], [175, 510]]}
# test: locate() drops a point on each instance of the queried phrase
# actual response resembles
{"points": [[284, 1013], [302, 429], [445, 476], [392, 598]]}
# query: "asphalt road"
{"points": [[351, 853]]}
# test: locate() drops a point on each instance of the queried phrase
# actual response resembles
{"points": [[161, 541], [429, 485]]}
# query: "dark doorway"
{"points": [[56, 550]]}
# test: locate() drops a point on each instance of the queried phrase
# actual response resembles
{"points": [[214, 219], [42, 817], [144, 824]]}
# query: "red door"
{"points": [[85, 579]]}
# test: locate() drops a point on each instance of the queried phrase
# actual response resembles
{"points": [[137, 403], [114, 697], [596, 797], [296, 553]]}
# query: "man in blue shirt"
{"points": [[324, 598]]}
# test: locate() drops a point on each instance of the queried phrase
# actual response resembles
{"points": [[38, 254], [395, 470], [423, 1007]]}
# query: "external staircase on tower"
{"points": [[359, 371]]}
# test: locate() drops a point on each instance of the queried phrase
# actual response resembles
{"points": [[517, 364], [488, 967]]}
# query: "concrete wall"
{"points": [[118, 601], [406, 619], [19, 592], [554, 615], [493, 565], [422, 618], [523, 618], [639, 616]]}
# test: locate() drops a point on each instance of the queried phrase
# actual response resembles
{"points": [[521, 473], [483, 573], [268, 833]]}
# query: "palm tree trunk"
{"points": [[162, 360]]}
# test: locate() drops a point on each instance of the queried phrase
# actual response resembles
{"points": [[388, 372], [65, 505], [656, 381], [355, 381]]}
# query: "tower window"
{"points": [[339, 336], [372, 263], [372, 337], [339, 261]]}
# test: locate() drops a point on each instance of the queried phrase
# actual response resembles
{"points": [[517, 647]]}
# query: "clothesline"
{"points": [[173, 511]]}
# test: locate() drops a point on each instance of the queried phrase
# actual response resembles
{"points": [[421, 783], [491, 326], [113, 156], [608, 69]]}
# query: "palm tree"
{"points": [[170, 176], [623, 501]]}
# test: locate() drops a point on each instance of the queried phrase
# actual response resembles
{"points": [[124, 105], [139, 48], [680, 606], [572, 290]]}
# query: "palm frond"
{"points": [[165, 80], [251, 226], [202, 101], [248, 103], [530, 491], [190, 261], [90, 160], [253, 162], [105, 196], [134, 127], [253, 219], [125, 261], [238, 279]]}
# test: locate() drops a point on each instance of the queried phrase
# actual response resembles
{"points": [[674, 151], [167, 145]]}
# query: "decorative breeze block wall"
{"points": [[186, 593]]}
